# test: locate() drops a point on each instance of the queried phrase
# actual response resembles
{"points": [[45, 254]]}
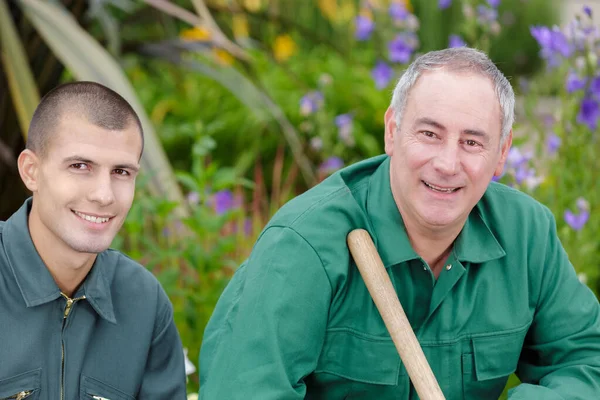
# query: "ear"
{"points": [[29, 166], [390, 131], [505, 148]]}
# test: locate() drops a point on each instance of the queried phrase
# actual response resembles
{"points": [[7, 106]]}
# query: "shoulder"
{"points": [[337, 202], [515, 214], [129, 276]]}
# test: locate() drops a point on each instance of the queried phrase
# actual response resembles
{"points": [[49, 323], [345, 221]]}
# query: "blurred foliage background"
{"points": [[247, 103]]}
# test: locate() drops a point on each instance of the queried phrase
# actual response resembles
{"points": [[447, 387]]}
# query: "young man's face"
{"points": [[446, 150], [84, 185]]}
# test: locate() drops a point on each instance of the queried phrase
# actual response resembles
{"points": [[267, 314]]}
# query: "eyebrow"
{"points": [[435, 124], [76, 159]]}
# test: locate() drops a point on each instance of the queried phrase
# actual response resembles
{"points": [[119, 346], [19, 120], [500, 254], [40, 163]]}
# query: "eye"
{"points": [[79, 166], [122, 172], [429, 134], [471, 143]]}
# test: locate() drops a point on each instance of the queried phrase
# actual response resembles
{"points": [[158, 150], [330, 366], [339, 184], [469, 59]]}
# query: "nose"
{"points": [[102, 191], [447, 161]]}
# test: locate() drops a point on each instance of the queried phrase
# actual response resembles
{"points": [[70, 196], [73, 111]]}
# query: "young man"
{"points": [[80, 320], [478, 267]]}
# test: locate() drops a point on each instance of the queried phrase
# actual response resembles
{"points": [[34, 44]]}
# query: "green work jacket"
{"points": [[296, 321], [116, 340]]}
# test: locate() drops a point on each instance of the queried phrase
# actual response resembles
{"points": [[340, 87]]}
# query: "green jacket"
{"points": [[117, 343], [296, 320]]}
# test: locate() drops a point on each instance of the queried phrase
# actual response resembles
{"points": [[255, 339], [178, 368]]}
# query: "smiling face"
{"points": [[446, 150], [82, 187]]}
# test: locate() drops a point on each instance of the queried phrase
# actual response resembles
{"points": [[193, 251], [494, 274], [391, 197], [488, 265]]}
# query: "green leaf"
{"points": [[24, 92]]}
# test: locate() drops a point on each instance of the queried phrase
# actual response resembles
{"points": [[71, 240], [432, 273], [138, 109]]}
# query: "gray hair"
{"points": [[460, 59]]}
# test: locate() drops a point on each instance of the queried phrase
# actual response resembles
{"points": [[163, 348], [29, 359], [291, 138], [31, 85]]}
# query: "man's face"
{"points": [[84, 185], [446, 150]]}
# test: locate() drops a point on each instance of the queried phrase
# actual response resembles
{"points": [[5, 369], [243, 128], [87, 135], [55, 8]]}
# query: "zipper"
{"points": [[66, 313], [19, 396]]}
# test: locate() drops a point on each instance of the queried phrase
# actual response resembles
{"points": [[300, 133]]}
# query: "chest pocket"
{"points": [[93, 389], [356, 366], [487, 368], [22, 386]]}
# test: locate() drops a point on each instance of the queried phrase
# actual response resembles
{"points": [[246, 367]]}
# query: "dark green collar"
{"points": [[476, 243], [35, 281]]}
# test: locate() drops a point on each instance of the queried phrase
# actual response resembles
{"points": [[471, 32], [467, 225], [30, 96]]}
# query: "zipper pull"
{"points": [[68, 308], [99, 398]]}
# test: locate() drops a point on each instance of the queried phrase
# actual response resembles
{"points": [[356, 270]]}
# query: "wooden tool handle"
{"points": [[380, 287]]}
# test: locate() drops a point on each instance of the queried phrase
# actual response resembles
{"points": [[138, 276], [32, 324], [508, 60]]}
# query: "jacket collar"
{"points": [[476, 243], [35, 282]]}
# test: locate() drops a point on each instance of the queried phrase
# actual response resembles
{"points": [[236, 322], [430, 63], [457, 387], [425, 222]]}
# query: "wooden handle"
{"points": [[380, 287]]}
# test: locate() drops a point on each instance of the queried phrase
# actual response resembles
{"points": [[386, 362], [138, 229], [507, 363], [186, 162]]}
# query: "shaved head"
{"points": [[98, 104]]}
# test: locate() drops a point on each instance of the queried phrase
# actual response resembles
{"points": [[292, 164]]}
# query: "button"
{"points": [[424, 268], [448, 267]]}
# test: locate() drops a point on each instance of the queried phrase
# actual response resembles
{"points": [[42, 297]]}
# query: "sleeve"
{"points": [[561, 354], [164, 375], [268, 327]]}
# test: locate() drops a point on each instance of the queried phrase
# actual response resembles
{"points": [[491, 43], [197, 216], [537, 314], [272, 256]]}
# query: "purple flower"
{"points": [[516, 159], [589, 113], [193, 198], [223, 201], [588, 11], [331, 164], [401, 48], [582, 204], [364, 27], [344, 124], [574, 82], [443, 4], [398, 12], [494, 3], [523, 172], [486, 15], [311, 103], [595, 87], [552, 143], [553, 43], [576, 221], [456, 41], [382, 74]]}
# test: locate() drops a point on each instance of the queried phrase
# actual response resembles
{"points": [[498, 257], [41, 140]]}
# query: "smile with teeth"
{"points": [[91, 218], [440, 189]]}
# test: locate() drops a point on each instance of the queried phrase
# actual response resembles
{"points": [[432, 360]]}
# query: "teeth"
{"points": [[91, 218], [439, 189]]}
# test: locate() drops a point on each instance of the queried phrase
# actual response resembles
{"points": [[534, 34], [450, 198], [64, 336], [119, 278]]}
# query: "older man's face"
{"points": [[446, 150]]}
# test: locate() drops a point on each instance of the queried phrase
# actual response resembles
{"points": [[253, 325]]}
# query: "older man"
{"points": [[478, 266], [78, 320]]}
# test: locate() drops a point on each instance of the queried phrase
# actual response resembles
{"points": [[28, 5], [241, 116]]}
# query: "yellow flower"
{"points": [[240, 26], [284, 47], [252, 5], [223, 57], [329, 8], [197, 33]]}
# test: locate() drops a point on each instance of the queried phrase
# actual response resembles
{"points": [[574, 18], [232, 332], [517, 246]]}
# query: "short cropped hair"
{"points": [[100, 105], [459, 59]]}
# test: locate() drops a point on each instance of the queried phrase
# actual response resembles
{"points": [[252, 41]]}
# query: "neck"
{"points": [[433, 245], [67, 266]]}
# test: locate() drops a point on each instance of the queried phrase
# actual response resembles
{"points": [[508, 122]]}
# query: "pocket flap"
{"points": [[360, 357], [23, 382], [91, 387], [497, 355]]}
